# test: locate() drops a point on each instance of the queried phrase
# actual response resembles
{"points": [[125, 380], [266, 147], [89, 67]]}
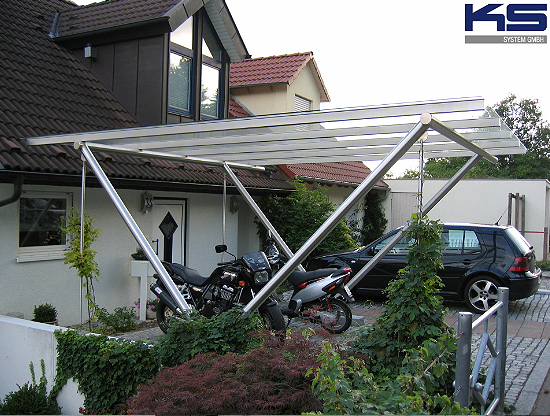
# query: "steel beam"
{"points": [[401, 148], [261, 216], [134, 228]]}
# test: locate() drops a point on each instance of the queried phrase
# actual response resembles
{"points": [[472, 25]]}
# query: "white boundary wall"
{"points": [[22, 342], [481, 201]]}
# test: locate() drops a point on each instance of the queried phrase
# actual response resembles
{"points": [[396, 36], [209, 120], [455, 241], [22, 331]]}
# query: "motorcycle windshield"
{"points": [[256, 261]]}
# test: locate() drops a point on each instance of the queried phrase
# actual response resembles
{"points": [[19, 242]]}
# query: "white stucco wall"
{"points": [[484, 201], [26, 284]]}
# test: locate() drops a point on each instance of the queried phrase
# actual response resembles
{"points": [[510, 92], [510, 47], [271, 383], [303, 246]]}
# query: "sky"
{"points": [[382, 52]]}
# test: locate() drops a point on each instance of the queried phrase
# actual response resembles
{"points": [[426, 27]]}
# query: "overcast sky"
{"points": [[395, 51]]}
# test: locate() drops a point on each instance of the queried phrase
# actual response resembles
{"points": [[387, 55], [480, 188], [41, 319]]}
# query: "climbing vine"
{"points": [[83, 261]]}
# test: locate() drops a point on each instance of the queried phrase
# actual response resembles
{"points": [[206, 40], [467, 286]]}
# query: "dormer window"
{"points": [[197, 70]]}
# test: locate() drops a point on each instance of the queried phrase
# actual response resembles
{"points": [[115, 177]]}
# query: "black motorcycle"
{"points": [[232, 282]]}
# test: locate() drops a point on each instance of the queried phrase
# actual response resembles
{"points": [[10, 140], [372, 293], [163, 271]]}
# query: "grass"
{"points": [[544, 265]]}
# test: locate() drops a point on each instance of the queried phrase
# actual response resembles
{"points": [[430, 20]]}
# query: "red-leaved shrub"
{"points": [[267, 380]]}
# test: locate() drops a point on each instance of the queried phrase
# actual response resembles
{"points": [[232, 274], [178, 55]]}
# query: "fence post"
{"points": [[463, 359], [545, 245], [502, 335]]}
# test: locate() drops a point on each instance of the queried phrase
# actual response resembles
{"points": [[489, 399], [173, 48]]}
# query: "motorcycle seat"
{"points": [[297, 277], [188, 274]]}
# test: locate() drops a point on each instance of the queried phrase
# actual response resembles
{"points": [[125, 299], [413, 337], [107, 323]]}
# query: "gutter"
{"points": [[17, 191]]}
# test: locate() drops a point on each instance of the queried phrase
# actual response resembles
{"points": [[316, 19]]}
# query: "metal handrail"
{"points": [[467, 386]]}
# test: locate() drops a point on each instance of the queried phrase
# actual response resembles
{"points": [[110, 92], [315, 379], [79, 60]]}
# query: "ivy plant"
{"points": [[107, 370]]}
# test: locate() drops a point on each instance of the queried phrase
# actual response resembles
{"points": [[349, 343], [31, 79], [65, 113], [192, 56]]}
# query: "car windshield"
{"points": [[519, 240]]}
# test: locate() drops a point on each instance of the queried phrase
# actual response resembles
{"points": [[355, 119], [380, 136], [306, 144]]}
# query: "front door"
{"points": [[169, 231]]}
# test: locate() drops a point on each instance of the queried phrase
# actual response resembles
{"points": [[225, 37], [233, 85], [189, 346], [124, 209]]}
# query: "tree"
{"points": [[525, 119], [297, 216]]}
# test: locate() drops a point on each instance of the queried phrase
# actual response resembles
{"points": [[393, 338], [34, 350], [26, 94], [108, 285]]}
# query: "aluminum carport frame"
{"points": [[305, 138]]}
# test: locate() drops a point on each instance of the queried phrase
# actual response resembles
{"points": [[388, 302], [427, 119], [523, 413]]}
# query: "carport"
{"points": [[441, 128]]}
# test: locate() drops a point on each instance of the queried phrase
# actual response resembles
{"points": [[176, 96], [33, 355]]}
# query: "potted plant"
{"points": [[151, 305], [139, 254], [45, 313]]}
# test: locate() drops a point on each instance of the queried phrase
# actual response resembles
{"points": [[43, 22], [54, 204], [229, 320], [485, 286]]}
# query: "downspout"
{"points": [[17, 191]]}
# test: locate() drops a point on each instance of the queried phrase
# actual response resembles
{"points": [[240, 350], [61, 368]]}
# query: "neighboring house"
{"points": [[289, 83], [523, 203], [278, 84], [111, 65]]}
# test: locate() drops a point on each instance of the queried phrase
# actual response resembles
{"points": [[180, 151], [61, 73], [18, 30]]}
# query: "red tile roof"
{"points": [[281, 69], [352, 173]]}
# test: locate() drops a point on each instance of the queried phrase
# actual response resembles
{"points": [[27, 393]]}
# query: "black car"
{"points": [[477, 259]]}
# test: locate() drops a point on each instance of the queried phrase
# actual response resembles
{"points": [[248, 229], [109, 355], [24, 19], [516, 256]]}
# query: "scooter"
{"points": [[319, 296]]}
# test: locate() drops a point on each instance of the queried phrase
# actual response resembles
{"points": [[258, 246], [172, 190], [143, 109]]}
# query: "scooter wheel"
{"points": [[335, 316]]}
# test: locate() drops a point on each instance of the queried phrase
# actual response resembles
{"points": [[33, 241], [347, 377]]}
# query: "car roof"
{"points": [[474, 225]]}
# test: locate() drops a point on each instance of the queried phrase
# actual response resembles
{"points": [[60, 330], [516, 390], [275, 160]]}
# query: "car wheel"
{"points": [[481, 293]]}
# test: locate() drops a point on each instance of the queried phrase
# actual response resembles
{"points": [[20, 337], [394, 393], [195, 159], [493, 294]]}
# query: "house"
{"points": [[112, 65], [289, 83]]}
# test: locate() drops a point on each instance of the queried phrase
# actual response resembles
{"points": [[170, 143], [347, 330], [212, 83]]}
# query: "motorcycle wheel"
{"points": [[273, 317], [334, 315], [164, 314]]}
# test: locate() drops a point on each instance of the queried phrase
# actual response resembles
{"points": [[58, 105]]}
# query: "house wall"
{"points": [[26, 284], [265, 99], [304, 85], [482, 201], [135, 71]]}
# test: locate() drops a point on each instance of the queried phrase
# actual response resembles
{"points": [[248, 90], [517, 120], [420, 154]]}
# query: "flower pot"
{"points": [[150, 314]]}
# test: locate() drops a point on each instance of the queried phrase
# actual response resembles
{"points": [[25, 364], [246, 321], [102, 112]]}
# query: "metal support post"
{"points": [[133, 227], [429, 205], [261, 216], [463, 359], [397, 152], [502, 335], [82, 201]]}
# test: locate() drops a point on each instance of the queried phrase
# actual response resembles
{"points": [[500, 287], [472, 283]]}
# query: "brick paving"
{"points": [[528, 347]]}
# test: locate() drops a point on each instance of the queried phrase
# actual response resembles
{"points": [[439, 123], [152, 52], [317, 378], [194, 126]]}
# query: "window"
{"points": [[460, 242], [40, 220], [179, 83], [183, 81], [302, 104], [402, 247], [209, 95]]}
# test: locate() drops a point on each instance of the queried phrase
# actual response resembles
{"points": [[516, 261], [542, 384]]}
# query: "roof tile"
{"points": [[269, 70], [46, 90]]}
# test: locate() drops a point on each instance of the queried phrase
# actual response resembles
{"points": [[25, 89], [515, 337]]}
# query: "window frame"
{"points": [[202, 26], [47, 252]]}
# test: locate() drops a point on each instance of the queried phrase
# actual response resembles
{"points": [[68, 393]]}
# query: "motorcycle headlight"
{"points": [[261, 277]]}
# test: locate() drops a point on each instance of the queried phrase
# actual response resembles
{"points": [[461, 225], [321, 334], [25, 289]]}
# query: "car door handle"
{"points": [[466, 261]]}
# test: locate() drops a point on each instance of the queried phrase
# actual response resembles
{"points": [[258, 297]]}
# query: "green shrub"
{"points": [[31, 398], [122, 320], [297, 216], [45, 313], [349, 387], [231, 331]]}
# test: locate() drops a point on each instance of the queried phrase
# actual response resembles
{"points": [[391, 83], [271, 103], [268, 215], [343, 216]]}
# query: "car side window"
{"points": [[459, 242], [402, 247]]}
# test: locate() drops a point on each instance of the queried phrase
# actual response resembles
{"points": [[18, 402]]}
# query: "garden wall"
{"points": [[22, 342]]}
